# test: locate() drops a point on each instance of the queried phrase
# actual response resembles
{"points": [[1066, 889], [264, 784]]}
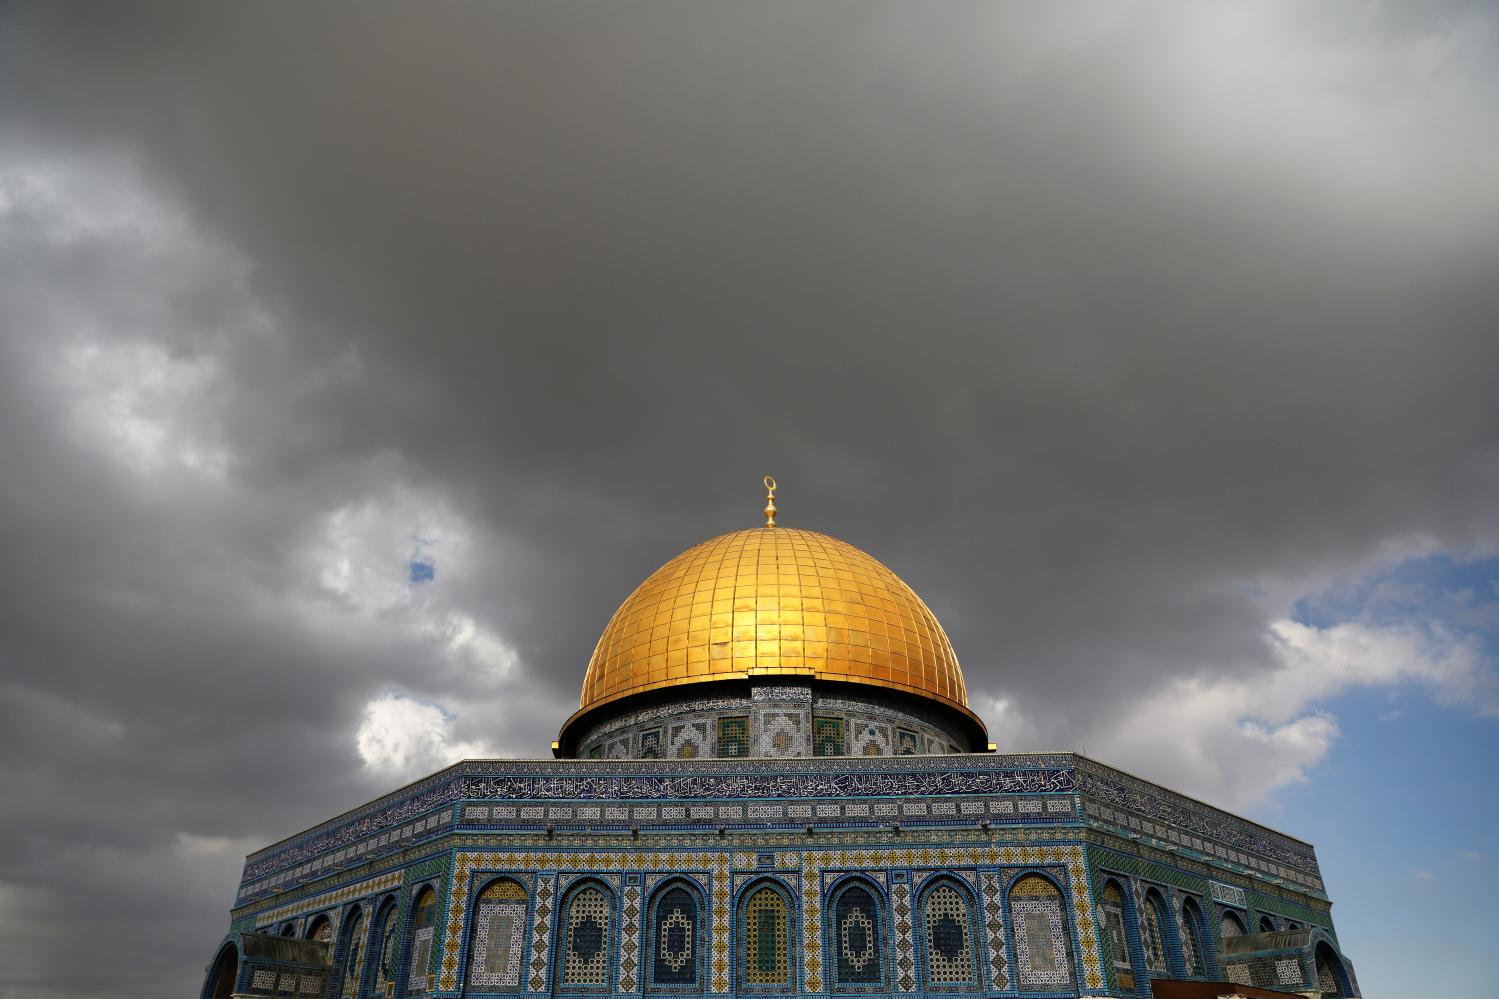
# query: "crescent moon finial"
{"points": [[770, 501]]}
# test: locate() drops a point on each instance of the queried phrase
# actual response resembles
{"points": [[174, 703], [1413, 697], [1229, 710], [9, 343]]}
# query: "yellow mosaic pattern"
{"points": [[773, 601], [721, 922], [811, 862], [946, 857], [765, 902], [811, 924], [466, 863], [1034, 886], [503, 890], [384, 882]]}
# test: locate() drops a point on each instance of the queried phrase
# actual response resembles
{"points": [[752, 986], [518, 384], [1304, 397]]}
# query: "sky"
{"points": [[355, 363]]}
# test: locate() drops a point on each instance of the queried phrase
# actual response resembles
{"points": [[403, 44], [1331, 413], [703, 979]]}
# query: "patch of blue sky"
{"points": [[1403, 810], [1403, 814], [421, 567], [1436, 589]]}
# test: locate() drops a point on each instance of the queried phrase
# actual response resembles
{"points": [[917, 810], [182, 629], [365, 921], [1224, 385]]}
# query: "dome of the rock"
{"points": [[773, 602], [775, 787]]}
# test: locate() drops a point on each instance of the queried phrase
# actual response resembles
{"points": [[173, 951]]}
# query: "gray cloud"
{"points": [[1113, 330]]}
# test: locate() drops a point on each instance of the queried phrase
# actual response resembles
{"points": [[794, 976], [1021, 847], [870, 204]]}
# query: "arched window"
{"points": [[764, 957], [498, 950], [1192, 953], [221, 979], [1267, 925], [353, 951], [857, 942], [1116, 937], [947, 935], [1229, 926], [289, 930], [320, 930], [423, 928], [1043, 951], [1332, 977], [385, 943], [586, 942], [1153, 936], [677, 946]]}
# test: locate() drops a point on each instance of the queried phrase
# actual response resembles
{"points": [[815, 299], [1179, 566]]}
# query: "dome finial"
{"points": [[770, 501]]}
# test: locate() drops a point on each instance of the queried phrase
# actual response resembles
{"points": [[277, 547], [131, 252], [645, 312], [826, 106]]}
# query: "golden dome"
{"points": [[773, 601]]}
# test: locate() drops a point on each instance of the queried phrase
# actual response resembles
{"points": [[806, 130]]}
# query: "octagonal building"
{"points": [[774, 785]]}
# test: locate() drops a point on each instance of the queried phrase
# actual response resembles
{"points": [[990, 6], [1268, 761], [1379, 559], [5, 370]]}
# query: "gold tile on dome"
{"points": [[774, 588]]}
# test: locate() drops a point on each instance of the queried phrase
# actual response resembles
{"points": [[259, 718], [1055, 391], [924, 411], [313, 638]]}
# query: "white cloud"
{"points": [[1269, 99], [1322, 662], [471, 643], [143, 404], [86, 199], [112, 349], [1203, 738], [402, 558], [1012, 730], [1235, 740], [367, 548], [404, 737]]}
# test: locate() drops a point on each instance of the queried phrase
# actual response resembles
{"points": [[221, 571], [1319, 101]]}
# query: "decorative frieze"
{"points": [[1033, 787]]}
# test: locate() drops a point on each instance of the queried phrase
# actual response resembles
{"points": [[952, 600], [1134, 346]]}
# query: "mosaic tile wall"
{"points": [[1172, 923], [1043, 950], [901, 916], [981, 821], [585, 947], [771, 722], [377, 828], [869, 941], [497, 953], [675, 948], [590, 931], [947, 921], [422, 812], [1141, 807]]}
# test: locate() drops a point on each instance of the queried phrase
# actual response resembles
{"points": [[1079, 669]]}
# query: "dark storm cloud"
{"points": [[1112, 330]]}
